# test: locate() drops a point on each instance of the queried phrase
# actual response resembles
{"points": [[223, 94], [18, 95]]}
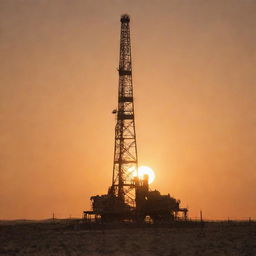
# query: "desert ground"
{"points": [[73, 239]]}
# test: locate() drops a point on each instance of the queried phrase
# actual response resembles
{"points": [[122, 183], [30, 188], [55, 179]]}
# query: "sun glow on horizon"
{"points": [[144, 170]]}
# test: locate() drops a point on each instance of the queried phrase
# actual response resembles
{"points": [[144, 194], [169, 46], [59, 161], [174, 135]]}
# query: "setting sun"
{"points": [[142, 171]]}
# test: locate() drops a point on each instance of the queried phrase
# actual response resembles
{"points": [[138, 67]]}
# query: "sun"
{"points": [[142, 171]]}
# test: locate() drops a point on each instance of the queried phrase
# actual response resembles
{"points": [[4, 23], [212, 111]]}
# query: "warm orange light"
{"points": [[142, 171]]}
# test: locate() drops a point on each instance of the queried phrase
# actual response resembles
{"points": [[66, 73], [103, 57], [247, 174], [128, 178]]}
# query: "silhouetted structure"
{"points": [[125, 155], [129, 197]]}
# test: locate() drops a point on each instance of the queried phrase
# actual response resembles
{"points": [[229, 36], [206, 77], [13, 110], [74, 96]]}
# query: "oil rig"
{"points": [[129, 198]]}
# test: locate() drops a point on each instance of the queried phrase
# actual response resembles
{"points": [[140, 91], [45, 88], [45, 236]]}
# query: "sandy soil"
{"points": [[66, 239]]}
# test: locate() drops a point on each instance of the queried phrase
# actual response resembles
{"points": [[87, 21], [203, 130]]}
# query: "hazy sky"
{"points": [[195, 87]]}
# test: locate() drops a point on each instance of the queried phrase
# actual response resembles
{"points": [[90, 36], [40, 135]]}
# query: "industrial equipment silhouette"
{"points": [[129, 198]]}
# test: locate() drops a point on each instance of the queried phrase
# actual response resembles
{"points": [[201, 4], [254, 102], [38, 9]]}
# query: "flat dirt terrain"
{"points": [[73, 240]]}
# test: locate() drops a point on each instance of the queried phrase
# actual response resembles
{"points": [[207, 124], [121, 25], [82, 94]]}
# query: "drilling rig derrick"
{"points": [[129, 198], [125, 153]]}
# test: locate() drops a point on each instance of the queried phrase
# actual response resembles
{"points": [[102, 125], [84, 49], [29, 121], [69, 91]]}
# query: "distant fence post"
{"points": [[201, 218]]}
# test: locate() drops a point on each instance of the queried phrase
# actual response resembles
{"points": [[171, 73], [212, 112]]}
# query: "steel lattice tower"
{"points": [[125, 154], [129, 198]]}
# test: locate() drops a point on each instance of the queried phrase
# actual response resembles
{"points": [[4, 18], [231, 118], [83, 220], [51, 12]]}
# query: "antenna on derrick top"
{"points": [[125, 18]]}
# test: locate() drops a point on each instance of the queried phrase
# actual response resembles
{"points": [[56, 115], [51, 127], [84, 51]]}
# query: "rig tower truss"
{"points": [[125, 153]]}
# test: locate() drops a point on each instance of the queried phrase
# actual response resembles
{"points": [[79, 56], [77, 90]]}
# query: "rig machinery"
{"points": [[129, 198]]}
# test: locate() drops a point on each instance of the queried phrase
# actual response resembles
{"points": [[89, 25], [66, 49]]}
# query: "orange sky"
{"points": [[194, 83]]}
